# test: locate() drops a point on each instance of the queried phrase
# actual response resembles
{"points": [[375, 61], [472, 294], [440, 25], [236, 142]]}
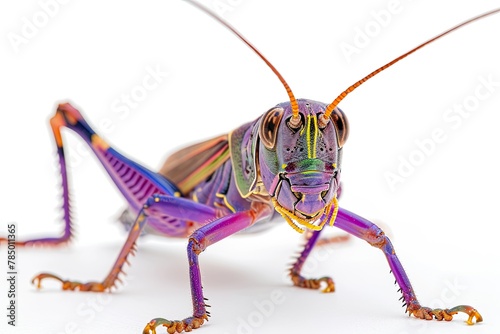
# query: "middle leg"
{"points": [[157, 207]]}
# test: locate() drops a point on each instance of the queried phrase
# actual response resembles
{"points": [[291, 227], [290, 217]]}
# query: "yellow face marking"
{"points": [[308, 136], [334, 165], [283, 166], [316, 133], [302, 131], [312, 125]]}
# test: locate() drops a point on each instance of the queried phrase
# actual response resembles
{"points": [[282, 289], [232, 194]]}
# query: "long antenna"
{"points": [[293, 101], [334, 104]]}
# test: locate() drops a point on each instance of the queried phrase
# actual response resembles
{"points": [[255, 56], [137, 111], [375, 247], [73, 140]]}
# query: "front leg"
{"points": [[371, 233], [198, 242]]}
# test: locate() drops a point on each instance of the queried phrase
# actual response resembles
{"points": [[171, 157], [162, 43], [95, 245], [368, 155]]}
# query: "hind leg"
{"points": [[134, 181], [67, 232]]}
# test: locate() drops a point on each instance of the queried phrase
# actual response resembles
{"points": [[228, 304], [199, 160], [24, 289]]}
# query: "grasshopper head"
{"points": [[299, 161]]}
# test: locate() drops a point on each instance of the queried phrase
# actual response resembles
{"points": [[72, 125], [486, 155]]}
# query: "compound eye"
{"points": [[339, 120], [268, 131]]}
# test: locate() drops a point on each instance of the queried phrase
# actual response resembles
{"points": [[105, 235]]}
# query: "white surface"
{"points": [[443, 218]]}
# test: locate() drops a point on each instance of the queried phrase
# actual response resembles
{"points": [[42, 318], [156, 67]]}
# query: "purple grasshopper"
{"points": [[287, 164]]}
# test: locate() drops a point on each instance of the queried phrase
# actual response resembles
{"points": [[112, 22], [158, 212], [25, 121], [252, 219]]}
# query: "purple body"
{"points": [[278, 164]]}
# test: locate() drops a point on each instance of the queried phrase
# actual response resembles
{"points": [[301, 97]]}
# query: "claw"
{"points": [[69, 285], [329, 288], [447, 315], [470, 311], [313, 283], [175, 326]]}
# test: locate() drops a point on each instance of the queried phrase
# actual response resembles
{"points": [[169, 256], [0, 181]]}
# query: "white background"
{"points": [[443, 219]]}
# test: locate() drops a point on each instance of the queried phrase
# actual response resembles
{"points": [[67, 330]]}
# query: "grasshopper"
{"points": [[286, 164]]}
